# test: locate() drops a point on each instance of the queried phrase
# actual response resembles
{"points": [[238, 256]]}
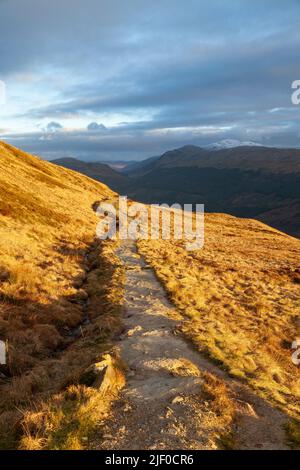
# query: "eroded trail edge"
{"points": [[162, 405]]}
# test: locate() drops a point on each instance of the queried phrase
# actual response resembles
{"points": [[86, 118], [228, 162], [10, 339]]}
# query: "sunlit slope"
{"points": [[35, 191], [41, 206], [55, 279], [240, 296], [46, 221]]}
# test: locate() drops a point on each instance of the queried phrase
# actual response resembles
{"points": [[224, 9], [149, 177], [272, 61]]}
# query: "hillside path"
{"points": [[161, 406]]}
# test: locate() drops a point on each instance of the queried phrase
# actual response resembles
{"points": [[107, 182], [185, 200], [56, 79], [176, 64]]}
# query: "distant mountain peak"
{"points": [[189, 147], [231, 143]]}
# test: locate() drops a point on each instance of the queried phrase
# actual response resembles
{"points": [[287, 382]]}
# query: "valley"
{"points": [[97, 329], [149, 232], [256, 182]]}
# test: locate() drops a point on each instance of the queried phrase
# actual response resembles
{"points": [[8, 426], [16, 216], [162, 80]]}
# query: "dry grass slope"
{"points": [[240, 296], [54, 278], [61, 294]]}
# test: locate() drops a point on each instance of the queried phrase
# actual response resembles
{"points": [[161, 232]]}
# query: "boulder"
{"points": [[106, 375]]}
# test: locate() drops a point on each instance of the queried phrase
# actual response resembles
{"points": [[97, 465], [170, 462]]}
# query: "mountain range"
{"points": [[245, 181], [87, 321]]}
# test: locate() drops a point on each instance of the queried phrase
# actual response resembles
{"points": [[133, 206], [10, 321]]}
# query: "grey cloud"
{"points": [[218, 65], [53, 127], [130, 141], [94, 126]]}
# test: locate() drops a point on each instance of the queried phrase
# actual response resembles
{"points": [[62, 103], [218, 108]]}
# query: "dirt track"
{"points": [[161, 406]]}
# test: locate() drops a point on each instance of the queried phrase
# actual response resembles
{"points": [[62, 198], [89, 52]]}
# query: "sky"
{"points": [[130, 79]]}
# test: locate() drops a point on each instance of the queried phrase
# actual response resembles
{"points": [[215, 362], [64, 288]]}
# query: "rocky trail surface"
{"points": [[161, 405]]}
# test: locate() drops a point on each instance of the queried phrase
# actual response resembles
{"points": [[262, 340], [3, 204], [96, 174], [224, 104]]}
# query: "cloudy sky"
{"points": [[129, 79]]}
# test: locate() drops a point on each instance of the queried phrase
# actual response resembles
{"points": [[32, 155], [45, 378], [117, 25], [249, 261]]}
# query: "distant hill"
{"points": [[273, 160], [96, 170], [140, 168], [250, 181], [247, 181]]}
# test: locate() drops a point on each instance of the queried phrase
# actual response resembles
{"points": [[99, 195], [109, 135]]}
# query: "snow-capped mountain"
{"points": [[231, 143]]}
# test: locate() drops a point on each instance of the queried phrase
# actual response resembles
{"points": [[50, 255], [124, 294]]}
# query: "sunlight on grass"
{"points": [[52, 276], [240, 300]]}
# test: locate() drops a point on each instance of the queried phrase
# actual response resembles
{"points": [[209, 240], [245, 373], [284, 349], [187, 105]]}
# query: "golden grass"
{"points": [[52, 276], [69, 418], [293, 433], [240, 296], [215, 392]]}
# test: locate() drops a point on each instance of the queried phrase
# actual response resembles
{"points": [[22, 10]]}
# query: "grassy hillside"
{"points": [[61, 295], [60, 291], [240, 296], [268, 159], [272, 198], [258, 182]]}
